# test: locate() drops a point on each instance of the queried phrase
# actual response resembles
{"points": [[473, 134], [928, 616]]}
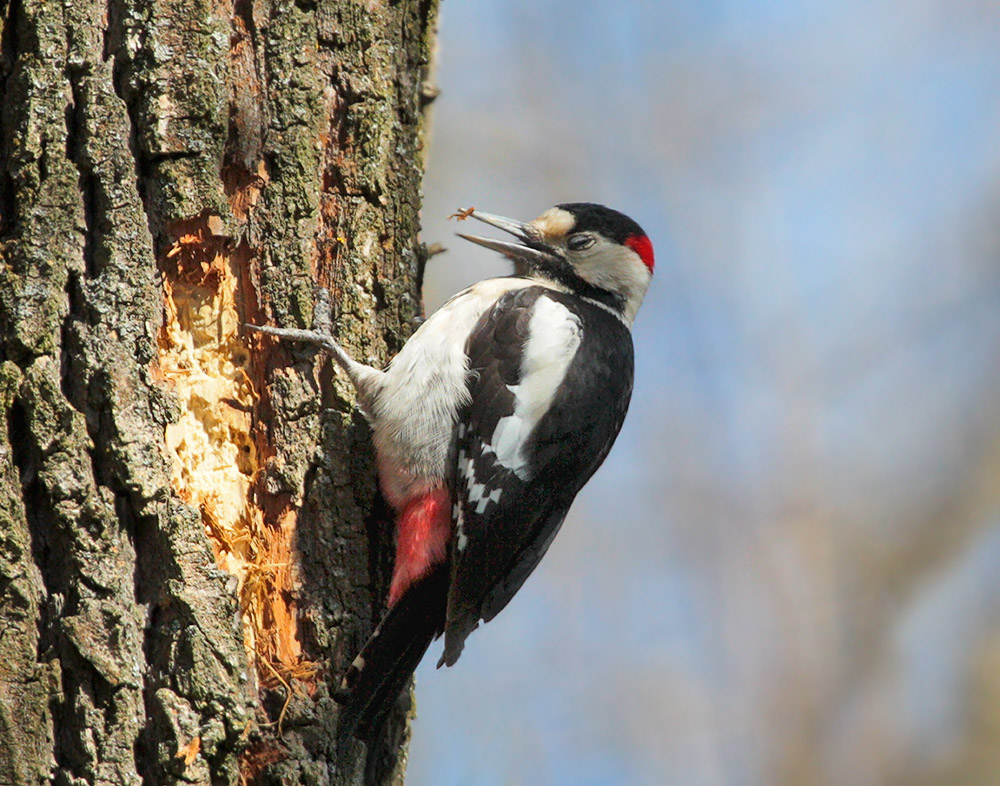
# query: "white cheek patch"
{"points": [[617, 269], [554, 335]]}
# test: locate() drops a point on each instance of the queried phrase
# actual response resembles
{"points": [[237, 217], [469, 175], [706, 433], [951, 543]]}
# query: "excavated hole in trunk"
{"points": [[215, 451]]}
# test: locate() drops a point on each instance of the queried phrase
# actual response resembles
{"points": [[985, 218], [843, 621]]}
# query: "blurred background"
{"points": [[788, 571]]}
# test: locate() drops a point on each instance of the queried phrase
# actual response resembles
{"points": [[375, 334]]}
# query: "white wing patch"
{"points": [[554, 335]]}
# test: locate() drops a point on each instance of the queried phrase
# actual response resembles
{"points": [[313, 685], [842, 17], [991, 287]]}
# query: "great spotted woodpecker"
{"points": [[487, 423]]}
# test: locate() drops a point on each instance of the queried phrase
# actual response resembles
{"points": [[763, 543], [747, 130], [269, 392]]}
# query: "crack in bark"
{"points": [[76, 154], [27, 468], [247, 131], [9, 45], [7, 203], [69, 376], [50, 554], [115, 48], [171, 155]]}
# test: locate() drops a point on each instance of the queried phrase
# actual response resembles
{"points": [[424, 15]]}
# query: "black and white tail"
{"points": [[377, 676]]}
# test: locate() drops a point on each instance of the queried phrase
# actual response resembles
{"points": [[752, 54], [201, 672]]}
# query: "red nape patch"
{"points": [[421, 540], [640, 244]]}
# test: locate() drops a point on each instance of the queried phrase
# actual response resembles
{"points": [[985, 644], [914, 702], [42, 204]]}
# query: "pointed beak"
{"points": [[531, 251]]}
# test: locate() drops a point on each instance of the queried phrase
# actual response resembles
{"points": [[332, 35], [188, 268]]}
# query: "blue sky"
{"points": [[758, 573]]}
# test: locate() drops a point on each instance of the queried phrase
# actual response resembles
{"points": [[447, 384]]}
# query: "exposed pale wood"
{"points": [[169, 170]]}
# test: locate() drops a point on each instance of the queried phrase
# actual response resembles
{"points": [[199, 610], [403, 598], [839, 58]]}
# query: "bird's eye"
{"points": [[579, 241]]}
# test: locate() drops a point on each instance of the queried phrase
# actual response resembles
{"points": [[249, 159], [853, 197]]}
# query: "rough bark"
{"points": [[192, 540]]}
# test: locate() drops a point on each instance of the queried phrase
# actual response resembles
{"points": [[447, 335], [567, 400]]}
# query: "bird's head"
{"points": [[591, 250]]}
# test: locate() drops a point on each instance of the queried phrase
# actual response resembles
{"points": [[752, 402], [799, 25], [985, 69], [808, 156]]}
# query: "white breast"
{"points": [[416, 408]]}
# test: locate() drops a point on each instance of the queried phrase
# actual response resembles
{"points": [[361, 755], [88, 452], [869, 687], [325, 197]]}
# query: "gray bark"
{"points": [[192, 542]]}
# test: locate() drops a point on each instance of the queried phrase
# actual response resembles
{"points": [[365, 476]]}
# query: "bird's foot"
{"points": [[314, 337], [320, 336]]}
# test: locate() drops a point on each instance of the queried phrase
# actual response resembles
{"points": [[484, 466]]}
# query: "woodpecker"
{"points": [[491, 418]]}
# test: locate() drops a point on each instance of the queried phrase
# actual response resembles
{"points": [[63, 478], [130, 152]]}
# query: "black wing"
{"points": [[505, 519]]}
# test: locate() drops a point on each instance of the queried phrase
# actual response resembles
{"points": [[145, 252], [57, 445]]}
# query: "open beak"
{"points": [[531, 251]]}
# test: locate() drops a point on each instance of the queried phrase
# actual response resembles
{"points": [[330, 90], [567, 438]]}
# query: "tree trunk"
{"points": [[193, 543]]}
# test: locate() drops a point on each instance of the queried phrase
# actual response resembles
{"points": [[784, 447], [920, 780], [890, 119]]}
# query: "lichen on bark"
{"points": [[285, 138]]}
